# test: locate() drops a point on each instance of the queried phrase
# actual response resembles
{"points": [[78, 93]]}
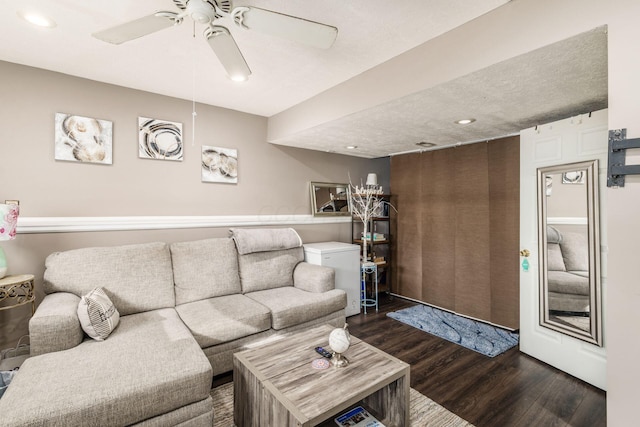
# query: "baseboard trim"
{"points": [[39, 225]]}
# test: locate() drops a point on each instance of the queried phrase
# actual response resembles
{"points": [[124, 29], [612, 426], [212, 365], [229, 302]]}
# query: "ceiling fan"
{"points": [[206, 12]]}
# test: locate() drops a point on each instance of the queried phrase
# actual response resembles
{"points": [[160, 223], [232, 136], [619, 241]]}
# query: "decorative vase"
{"points": [[3, 264]]}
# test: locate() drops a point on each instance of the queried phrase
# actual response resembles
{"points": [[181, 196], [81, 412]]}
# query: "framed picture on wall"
{"points": [[159, 139], [83, 139], [219, 164]]}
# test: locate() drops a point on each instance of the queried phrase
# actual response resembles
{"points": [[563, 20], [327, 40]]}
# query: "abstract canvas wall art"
{"points": [[219, 165], [83, 139], [159, 139]]}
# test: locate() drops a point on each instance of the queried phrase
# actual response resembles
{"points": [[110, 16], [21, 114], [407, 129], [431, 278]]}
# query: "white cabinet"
{"points": [[344, 258]]}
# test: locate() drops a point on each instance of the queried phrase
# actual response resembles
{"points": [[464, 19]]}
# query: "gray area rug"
{"points": [[477, 336], [423, 411]]}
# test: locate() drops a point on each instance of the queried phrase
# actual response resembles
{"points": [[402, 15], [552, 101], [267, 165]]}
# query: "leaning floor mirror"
{"points": [[569, 248]]}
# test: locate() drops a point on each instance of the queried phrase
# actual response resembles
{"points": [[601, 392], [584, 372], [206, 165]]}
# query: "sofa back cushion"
{"points": [[137, 278], [554, 258], [204, 269], [575, 251], [268, 270]]}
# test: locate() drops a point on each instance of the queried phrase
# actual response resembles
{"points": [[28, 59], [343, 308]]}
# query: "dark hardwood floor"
{"points": [[511, 389]]}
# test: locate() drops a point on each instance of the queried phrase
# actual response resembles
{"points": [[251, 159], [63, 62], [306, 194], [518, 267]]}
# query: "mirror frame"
{"points": [[594, 335], [314, 202]]}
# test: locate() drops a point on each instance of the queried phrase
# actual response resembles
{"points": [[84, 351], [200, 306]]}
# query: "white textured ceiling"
{"points": [[173, 62], [564, 79], [558, 81]]}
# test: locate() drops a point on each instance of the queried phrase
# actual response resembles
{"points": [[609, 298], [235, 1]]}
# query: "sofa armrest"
{"points": [[314, 278], [55, 325]]}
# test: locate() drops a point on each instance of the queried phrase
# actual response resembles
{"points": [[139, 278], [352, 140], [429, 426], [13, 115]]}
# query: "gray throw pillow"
{"points": [[98, 316]]}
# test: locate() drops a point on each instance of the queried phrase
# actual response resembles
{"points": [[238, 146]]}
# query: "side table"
{"points": [[16, 291], [369, 268]]}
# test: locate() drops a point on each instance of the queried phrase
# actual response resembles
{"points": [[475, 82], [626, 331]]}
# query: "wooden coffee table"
{"points": [[275, 384]]}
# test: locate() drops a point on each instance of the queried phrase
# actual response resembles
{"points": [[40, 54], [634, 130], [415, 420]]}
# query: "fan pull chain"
{"points": [[193, 90]]}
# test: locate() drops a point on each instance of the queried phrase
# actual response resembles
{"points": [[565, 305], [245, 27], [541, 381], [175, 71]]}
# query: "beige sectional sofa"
{"points": [[567, 272], [185, 308]]}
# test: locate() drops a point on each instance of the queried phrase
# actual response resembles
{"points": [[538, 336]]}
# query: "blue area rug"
{"points": [[474, 335]]}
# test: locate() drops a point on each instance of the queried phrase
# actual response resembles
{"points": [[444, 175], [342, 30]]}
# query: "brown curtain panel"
{"points": [[457, 229], [407, 246], [504, 187]]}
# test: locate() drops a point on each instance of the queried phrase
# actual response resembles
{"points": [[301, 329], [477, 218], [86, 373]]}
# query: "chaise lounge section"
{"points": [[184, 308]]}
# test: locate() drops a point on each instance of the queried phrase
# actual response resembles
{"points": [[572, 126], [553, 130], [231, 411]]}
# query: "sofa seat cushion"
{"points": [[136, 277], [579, 273], [291, 306], [205, 269], [218, 320], [568, 302], [567, 283], [150, 365]]}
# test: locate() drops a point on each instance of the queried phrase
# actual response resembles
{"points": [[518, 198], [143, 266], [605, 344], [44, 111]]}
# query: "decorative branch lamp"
{"points": [[8, 225], [365, 202]]}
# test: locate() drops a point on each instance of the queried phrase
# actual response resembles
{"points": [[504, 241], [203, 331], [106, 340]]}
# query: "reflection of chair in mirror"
{"points": [[567, 272], [335, 205], [329, 199]]}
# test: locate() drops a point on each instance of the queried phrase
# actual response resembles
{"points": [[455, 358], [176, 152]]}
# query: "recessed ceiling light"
{"points": [[37, 19], [464, 121], [426, 144], [351, 147]]}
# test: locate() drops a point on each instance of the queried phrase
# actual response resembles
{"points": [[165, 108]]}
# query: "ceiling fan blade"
{"points": [[226, 49], [285, 26], [138, 28]]}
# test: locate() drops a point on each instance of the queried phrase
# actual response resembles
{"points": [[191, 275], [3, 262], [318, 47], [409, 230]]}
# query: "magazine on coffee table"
{"points": [[358, 417]]}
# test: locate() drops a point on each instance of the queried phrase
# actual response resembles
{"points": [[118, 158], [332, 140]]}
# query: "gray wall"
{"points": [[566, 200], [273, 180]]}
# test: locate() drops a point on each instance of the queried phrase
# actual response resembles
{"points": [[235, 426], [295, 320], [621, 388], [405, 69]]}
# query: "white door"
{"points": [[577, 139]]}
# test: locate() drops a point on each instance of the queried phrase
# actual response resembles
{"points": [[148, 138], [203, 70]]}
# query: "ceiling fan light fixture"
{"points": [[201, 11], [464, 121], [37, 19], [218, 37], [239, 78], [200, 18]]}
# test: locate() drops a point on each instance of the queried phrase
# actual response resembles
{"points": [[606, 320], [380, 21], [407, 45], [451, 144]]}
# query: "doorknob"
{"points": [[525, 262]]}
